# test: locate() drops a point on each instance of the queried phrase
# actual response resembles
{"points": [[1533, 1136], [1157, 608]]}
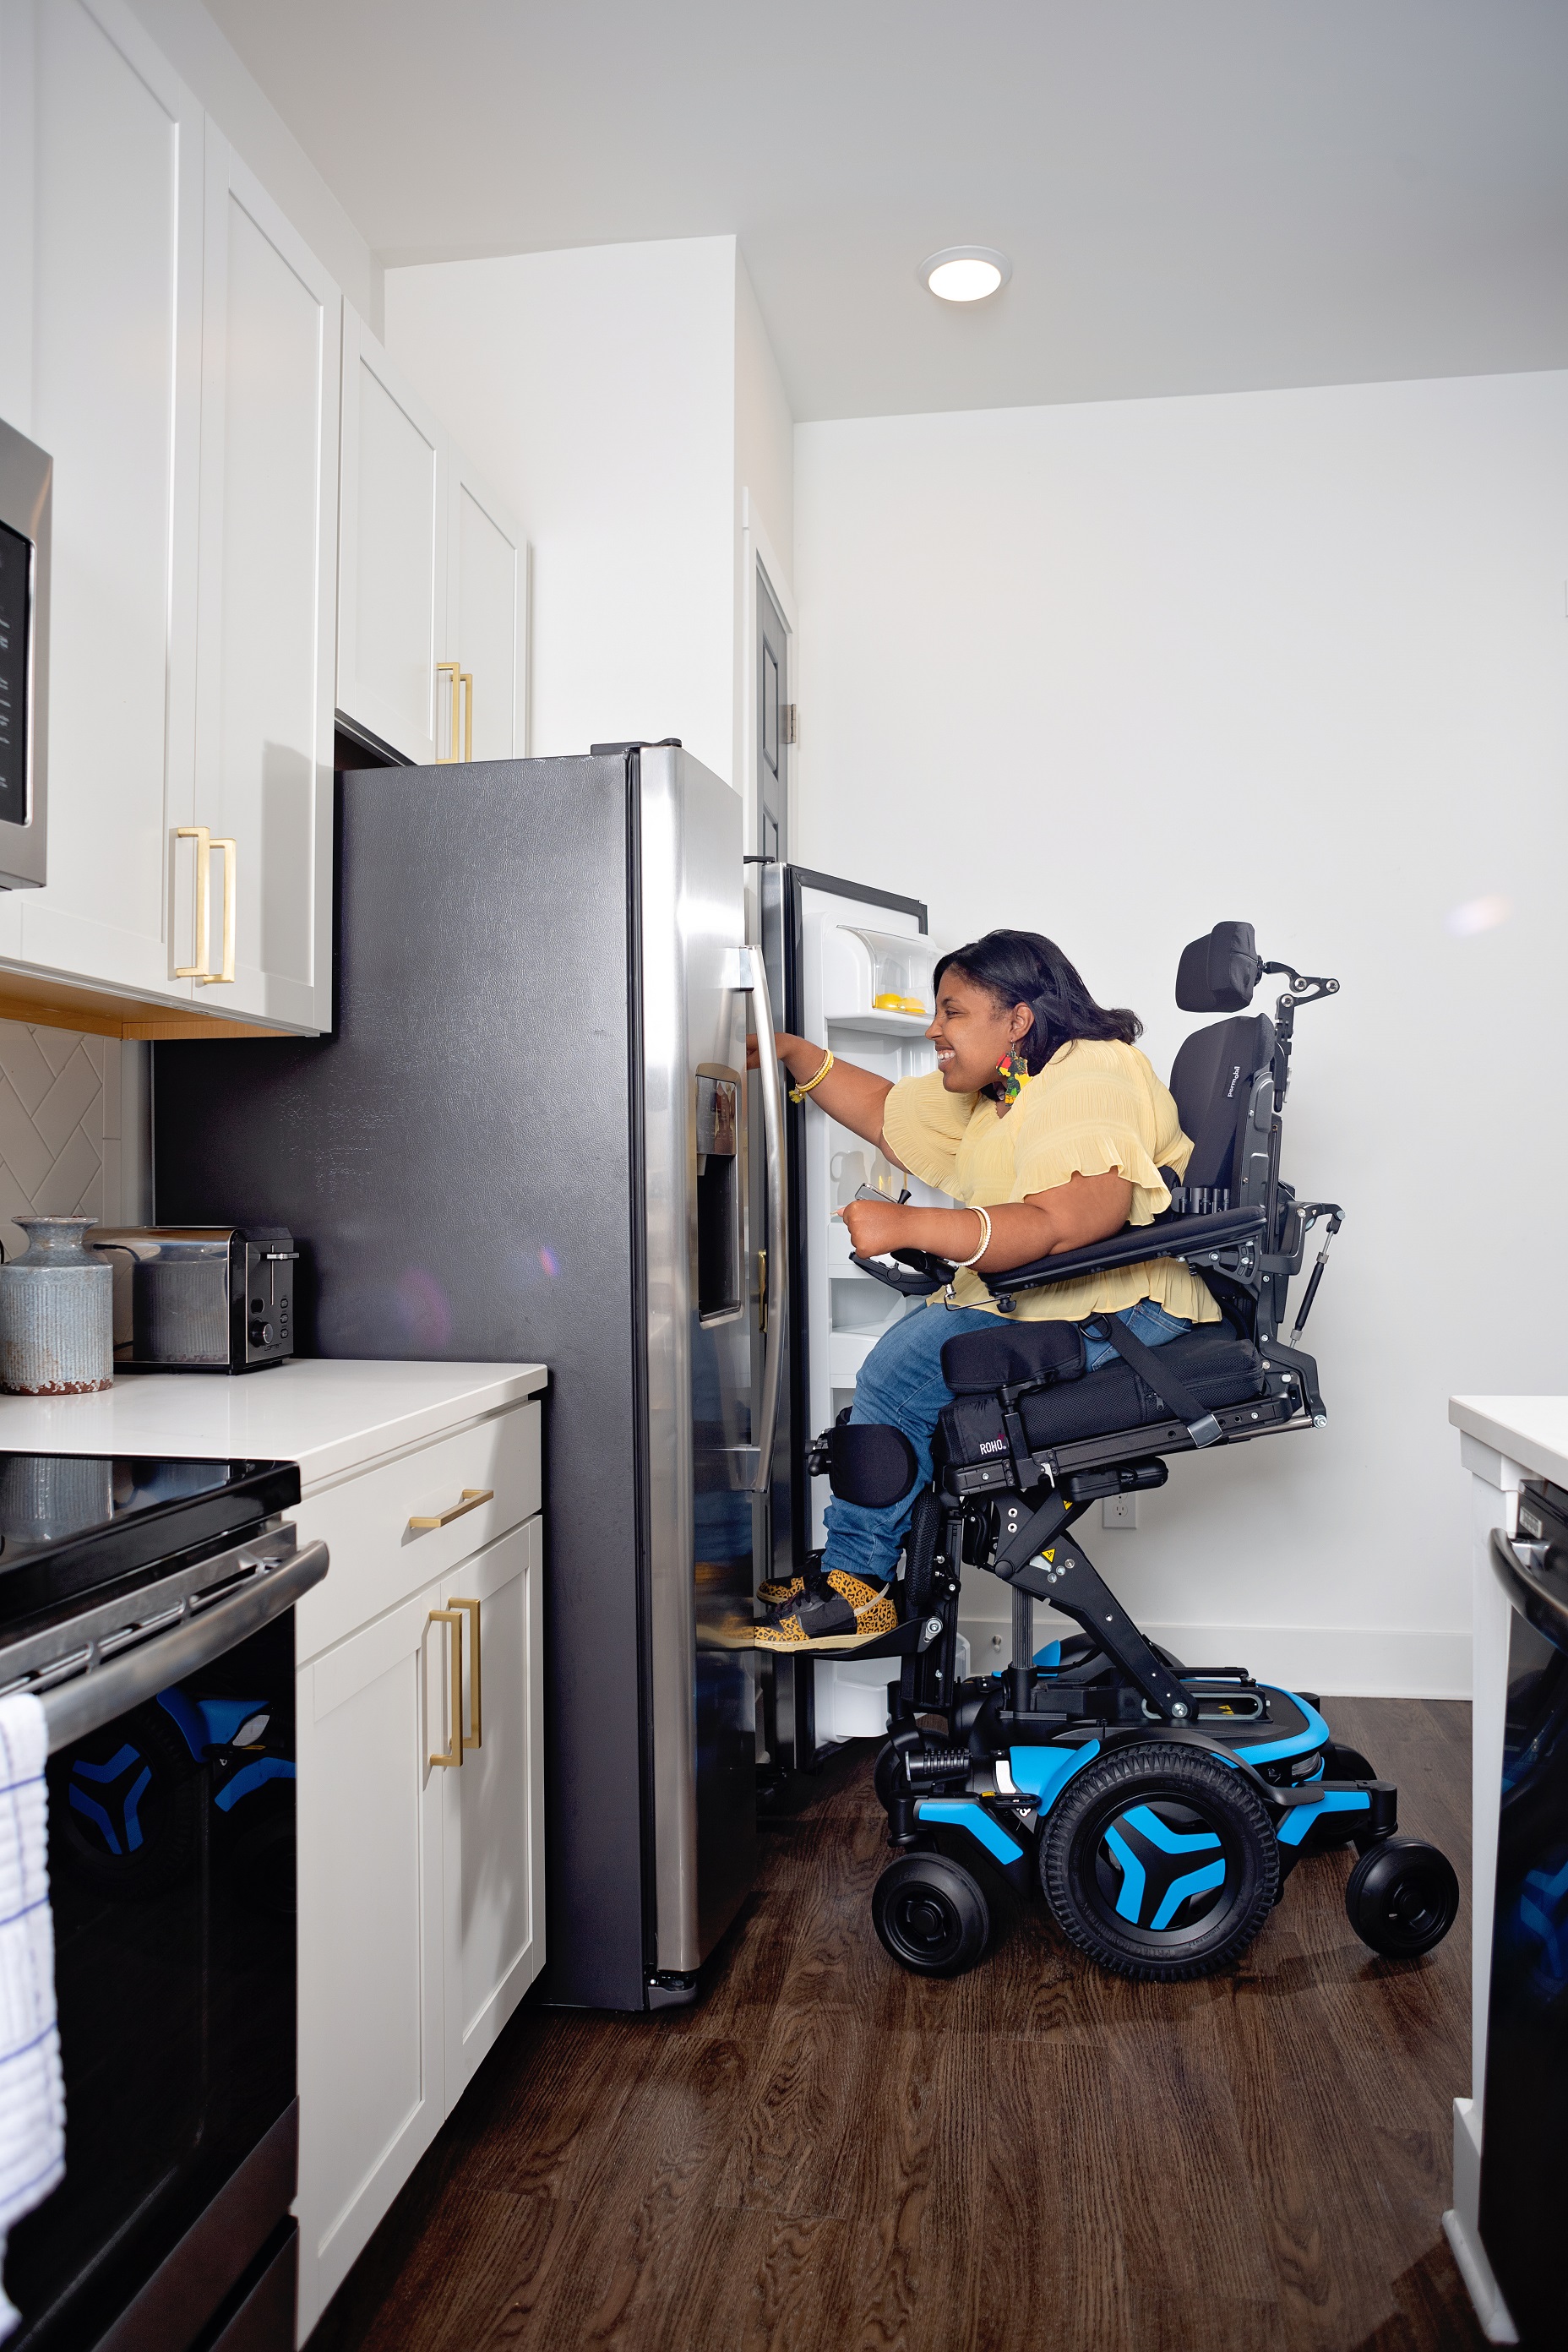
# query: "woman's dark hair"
{"points": [[1024, 968]]}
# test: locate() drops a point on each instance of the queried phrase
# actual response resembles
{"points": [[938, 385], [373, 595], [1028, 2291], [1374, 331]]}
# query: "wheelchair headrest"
{"points": [[1218, 972]]}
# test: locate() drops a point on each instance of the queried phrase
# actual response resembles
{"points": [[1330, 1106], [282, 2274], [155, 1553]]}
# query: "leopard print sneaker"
{"points": [[845, 1614]]}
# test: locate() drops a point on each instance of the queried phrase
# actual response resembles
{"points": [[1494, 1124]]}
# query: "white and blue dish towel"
{"points": [[32, 2093]]}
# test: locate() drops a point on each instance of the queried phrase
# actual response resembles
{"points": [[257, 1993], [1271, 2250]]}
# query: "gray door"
{"points": [[774, 727]]}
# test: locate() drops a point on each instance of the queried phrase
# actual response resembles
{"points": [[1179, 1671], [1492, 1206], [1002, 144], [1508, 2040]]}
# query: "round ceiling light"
{"points": [[965, 273]]}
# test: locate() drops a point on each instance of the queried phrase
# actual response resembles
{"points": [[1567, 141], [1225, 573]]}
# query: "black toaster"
{"points": [[200, 1298]]}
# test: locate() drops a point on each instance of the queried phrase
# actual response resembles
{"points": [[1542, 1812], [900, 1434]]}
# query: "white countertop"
{"points": [[329, 1417], [1530, 1430]]}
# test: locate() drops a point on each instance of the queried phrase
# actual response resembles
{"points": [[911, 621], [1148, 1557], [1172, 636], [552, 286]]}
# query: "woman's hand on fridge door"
{"points": [[853, 1096]]}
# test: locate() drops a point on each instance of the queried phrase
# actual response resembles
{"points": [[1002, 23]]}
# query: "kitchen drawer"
{"points": [[378, 1558]]}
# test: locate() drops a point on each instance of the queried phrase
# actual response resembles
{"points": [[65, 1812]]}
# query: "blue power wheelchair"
{"points": [[1160, 1806]]}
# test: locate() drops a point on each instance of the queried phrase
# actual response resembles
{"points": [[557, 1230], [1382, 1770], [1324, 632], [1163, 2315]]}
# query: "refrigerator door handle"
{"points": [[752, 978]]}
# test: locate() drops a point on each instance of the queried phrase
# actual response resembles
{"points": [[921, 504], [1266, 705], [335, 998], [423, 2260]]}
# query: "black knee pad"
{"points": [[870, 1464]]}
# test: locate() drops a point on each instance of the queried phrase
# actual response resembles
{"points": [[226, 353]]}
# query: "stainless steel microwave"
{"points": [[26, 483]]}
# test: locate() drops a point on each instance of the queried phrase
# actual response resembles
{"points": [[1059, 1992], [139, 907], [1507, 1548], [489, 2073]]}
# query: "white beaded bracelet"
{"points": [[985, 1243]]}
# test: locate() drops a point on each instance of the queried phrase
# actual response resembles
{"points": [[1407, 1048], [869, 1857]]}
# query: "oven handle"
{"points": [[95, 1698], [1543, 1603]]}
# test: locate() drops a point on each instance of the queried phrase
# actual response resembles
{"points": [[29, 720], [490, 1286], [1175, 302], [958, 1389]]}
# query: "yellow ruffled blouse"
{"points": [[1095, 1106]]}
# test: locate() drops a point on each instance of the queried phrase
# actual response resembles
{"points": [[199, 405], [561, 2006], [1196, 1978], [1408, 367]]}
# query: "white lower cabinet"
{"points": [[492, 1842], [421, 1880], [371, 2037]]}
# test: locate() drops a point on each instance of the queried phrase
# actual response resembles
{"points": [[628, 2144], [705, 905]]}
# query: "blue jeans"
{"points": [[900, 1381]]}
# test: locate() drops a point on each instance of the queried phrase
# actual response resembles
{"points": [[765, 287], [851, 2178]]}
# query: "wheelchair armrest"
{"points": [[1166, 1237], [929, 1274]]}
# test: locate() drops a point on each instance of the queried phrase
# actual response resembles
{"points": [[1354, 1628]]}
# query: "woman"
{"points": [[1046, 1122]]}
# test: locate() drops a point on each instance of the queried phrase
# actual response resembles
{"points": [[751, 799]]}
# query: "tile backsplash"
{"points": [[67, 1146]]}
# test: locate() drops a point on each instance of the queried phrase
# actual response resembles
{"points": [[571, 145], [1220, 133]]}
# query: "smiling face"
{"points": [[972, 1032]]}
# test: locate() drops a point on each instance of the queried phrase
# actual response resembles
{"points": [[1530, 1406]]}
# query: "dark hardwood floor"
{"points": [[830, 2156]]}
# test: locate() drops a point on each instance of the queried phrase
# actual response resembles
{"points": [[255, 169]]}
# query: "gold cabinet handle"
{"points": [[453, 1621], [443, 759], [472, 1497], [475, 1738], [466, 679], [230, 848], [202, 942]]}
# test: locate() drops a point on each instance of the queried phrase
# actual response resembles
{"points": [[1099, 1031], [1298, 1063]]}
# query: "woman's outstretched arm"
{"points": [[855, 1097], [1069, 1216]]}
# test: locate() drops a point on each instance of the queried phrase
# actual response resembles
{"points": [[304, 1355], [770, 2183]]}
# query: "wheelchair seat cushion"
{"points": [[974, 1363], [1213, 1361]]}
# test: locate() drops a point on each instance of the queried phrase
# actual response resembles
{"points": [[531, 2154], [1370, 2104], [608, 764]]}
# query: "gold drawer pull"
{"points": [[452, 1620], [475, 1738], [230, 849], [202, 944], [472, 1497], [454, 670]]}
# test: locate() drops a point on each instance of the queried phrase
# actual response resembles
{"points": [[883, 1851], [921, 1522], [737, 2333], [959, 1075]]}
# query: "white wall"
{"points": [[596, 388], [1117, 671]]}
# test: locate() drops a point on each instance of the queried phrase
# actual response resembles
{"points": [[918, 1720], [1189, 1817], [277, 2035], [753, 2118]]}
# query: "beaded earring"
{"points": [[1012, 1078]]}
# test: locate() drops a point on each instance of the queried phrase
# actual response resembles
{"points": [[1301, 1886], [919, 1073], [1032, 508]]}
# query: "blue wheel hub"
{"points": [[1161, 1866]]}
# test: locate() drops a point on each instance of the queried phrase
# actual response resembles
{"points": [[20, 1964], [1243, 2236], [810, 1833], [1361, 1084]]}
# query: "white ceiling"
{"points": [[1197, 195]]}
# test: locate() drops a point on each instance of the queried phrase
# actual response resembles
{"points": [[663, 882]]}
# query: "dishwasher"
{"points": [[148, 1601], [1525, 2105]]}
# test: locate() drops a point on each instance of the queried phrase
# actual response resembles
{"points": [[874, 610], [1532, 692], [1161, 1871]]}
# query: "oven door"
{"points": [[171, 1799]]}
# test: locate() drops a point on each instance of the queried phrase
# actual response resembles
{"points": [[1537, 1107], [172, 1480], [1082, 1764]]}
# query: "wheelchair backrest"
{"points": [[1222, 1082]]}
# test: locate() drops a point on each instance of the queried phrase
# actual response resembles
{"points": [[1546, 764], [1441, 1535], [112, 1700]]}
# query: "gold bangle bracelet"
{"points": [[799, 1094]]}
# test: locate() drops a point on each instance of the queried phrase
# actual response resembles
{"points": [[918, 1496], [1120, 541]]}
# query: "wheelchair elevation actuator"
{"points": [[1160, 1806]]}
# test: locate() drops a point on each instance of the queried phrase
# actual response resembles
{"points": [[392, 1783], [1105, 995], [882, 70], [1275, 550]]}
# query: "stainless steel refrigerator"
{"points": [[528, 1139]]}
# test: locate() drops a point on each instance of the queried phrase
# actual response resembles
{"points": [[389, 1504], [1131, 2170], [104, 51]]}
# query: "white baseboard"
{"points": [[1348, 1662]]}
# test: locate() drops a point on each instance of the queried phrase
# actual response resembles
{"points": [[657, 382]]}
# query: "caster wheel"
{"points": [[1402, 1898], [1159, 1862], [930, 1915]]}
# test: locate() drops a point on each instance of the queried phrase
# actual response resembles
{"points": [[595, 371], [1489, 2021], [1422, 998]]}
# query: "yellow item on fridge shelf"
{"points": [[889, 1002]]}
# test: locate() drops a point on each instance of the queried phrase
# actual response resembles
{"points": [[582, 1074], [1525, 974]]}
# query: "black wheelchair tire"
{"points": [[930, 1915], [884, 1773], [1195, 1784], [1402, 1898], [919, 1553]]}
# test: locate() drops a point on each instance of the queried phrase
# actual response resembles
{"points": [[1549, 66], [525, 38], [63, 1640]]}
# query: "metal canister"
{"points": [[56, 1313]]}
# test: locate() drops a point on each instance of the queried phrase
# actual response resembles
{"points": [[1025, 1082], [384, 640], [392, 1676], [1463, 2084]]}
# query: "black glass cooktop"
{"points": [[73, 1523]]}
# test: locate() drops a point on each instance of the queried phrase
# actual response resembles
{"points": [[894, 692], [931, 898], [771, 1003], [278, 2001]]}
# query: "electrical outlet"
{"points": [[1118, 1511]]}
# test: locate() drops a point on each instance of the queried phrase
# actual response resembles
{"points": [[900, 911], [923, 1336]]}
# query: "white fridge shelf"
{"points": [[879, 1024]]}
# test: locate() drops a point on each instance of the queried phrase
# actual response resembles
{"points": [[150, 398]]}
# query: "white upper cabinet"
{"points": [[432, 589], [487, 576], [272, 323], [116, 334], [392, 580]]}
